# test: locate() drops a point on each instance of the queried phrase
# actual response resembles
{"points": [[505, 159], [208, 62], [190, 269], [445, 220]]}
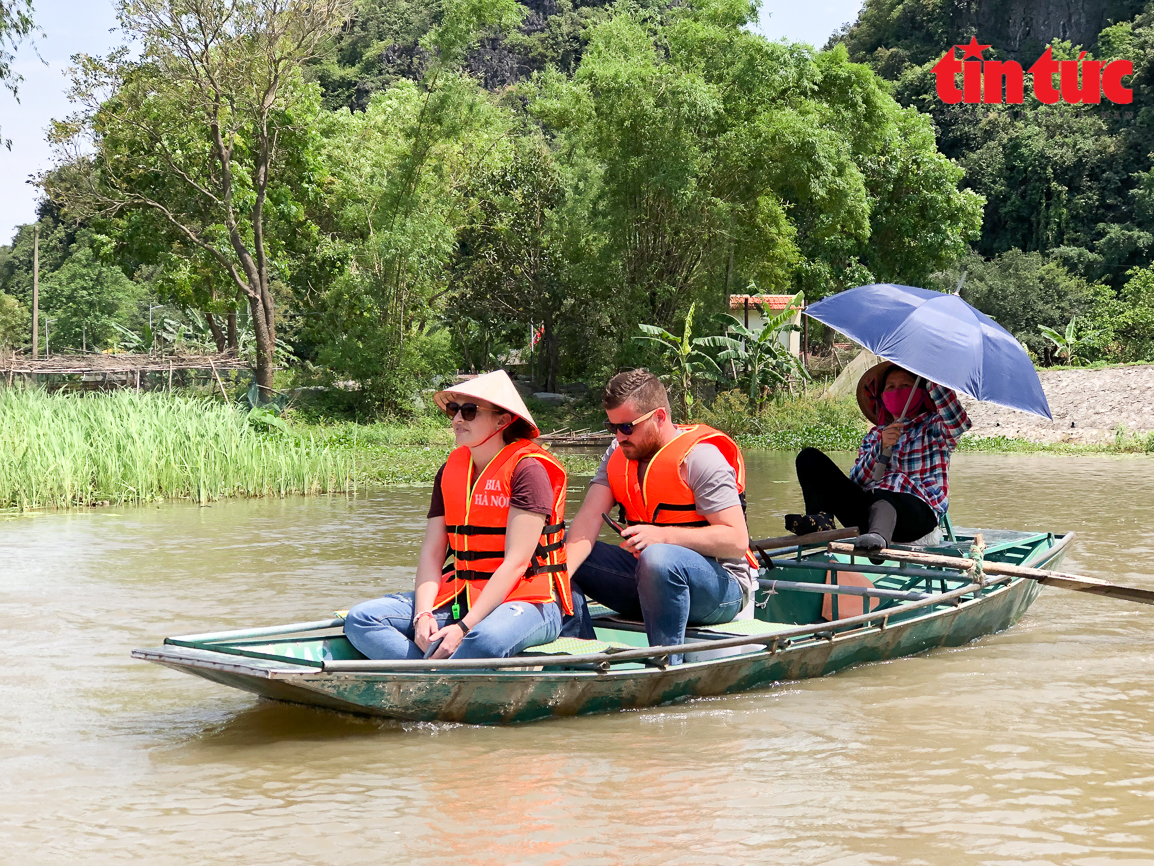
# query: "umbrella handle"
{"points": [[882, 465]]}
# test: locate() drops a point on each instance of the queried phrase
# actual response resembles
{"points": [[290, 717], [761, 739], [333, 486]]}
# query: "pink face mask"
{"points": [[895, 401]]}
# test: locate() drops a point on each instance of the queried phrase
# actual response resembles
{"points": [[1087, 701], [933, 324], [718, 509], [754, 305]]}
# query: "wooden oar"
{"points": [[1092, 585], [802, 540]]}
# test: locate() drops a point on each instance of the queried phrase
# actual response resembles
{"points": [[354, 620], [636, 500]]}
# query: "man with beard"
{"points": [[684, 552]]}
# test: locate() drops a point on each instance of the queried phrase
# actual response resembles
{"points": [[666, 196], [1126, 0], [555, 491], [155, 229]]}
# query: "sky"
{"points": [[85, 26]]}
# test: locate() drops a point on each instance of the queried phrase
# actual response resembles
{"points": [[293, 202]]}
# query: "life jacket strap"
{"points": [[467, 574], [557, 568], [657, 521], [465, 529], [470, 555]]}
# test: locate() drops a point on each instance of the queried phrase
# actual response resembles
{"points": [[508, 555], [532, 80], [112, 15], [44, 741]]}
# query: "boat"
{"points": [[872, 612]]}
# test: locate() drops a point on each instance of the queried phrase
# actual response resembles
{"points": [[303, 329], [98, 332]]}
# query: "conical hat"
{"points": [[869, 394], [496, 388]]}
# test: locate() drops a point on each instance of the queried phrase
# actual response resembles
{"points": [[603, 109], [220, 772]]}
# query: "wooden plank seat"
{"points": [[742, 627], [700, 632], [574, 646], [597, 609]]}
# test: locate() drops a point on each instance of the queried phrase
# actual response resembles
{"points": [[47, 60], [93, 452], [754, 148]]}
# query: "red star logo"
{"points": [[973, 49]]}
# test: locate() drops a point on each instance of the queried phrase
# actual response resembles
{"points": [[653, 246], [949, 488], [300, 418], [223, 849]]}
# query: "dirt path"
{"points": [[1087, 405]]}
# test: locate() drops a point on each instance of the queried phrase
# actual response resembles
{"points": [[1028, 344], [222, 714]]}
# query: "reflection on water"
{"points": [[1034, 746]]}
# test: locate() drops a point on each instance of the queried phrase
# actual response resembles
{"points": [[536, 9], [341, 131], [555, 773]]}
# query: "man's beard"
{"points": [[646, 448]]}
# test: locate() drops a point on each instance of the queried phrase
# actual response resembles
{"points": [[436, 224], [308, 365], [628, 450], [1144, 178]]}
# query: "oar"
{"points": [[1092, 585], [762, 546]]}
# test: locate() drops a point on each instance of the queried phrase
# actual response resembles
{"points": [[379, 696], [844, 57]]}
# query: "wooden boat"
{"points": [[913, 609]]}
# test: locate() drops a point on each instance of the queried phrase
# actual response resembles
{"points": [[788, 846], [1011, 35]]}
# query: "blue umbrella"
{"points": [[939, 337]]}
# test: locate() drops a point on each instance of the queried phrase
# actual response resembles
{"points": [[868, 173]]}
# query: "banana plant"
{"points": [[684, 358], [759, 361], [1070, 342], [131, 341]]}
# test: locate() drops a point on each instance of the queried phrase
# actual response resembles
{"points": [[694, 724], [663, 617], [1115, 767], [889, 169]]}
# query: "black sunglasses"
{"points": [[626, 428], [468, 410]]}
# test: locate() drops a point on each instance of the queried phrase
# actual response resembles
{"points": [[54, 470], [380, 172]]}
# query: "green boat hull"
{"points": [[491, 697]]}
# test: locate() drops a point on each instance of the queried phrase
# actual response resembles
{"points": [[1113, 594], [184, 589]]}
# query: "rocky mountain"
{"points": [[892, 34]]}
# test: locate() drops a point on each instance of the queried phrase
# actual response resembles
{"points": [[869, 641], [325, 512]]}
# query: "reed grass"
{"points": [[60, 451]]}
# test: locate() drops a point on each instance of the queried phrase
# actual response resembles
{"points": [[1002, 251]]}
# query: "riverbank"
{"points": [[392, 453], [63, 451], [1110, 407]]}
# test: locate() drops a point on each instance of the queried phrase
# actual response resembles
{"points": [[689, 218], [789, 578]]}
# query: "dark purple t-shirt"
{"points": [[531, 490]]}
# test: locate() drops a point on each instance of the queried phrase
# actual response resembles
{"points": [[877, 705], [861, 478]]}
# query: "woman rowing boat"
{"points": [[899, 496], [497, 510]]}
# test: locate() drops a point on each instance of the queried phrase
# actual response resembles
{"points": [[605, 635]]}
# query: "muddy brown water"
{"points": [[1034, 746]]}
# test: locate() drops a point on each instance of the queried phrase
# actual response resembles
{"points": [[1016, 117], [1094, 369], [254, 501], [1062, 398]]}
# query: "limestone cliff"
{"points": [[1025, 27], [889, 34]]}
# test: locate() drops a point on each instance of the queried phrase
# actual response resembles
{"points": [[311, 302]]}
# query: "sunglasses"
{"points": [[628, 426], [468, 410]]}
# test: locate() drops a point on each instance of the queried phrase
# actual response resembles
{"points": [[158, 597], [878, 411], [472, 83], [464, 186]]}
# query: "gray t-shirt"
{"points": [[714, 484]]}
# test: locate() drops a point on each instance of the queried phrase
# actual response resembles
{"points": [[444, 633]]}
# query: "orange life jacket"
{"points": [[664, 499], [476, 514]]}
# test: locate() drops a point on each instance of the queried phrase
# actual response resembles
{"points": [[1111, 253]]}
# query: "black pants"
{"points": [[826, 488]]}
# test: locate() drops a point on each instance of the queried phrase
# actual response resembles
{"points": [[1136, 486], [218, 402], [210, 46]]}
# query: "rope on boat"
{"points": [[976, 571]]}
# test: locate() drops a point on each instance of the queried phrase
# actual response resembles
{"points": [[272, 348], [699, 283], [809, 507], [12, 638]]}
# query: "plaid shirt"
{"points": [[922, 454]]}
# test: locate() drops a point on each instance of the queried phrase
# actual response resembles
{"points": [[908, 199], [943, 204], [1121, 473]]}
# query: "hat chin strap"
{"points": [[490, 436]]}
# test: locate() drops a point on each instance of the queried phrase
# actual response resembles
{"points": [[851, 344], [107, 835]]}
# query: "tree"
{"points": [[394, 202], [760, 362], [518, 262], [209, 133], [685, 358], [1022, 292], [1127, 321], [14, 321], [84, 297], [15, 23], [725, 158], [1069, 342]]}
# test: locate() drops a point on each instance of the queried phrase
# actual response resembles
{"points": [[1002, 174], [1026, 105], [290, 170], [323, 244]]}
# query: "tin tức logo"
{"points": [[997, 82]]}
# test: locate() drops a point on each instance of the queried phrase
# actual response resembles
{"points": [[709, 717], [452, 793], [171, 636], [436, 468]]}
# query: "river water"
{"points": [[1035, 746]]}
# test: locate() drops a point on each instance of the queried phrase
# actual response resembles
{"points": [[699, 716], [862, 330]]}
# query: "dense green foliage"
{"points": [[761, 361], [1022, 291], [60, 451], [1068, 189], [475, 182], [14, 322]]}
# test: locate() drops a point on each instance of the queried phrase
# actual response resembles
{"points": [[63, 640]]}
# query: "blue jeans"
{"points": [[383, 628], [668, 587]]}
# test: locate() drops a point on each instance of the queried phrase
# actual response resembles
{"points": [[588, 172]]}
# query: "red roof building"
{"points": [[769, 302], [749, 309]]}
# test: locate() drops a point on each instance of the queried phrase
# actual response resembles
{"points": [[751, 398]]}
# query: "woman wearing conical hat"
{"points": [[900, 499], [497, 517]]}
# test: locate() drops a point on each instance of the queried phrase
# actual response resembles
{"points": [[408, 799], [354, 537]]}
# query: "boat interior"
{"points": [[798, 587]]}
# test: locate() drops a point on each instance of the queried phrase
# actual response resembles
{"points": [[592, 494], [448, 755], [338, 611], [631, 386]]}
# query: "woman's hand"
{"points": [[891, 432], [423, 631], [450, 637]]}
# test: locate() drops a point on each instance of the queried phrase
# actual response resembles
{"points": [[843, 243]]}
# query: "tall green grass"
{"points": [[68, 450]]}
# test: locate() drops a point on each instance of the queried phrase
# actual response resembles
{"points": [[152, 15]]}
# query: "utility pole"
{"points": [[35, 290]]}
